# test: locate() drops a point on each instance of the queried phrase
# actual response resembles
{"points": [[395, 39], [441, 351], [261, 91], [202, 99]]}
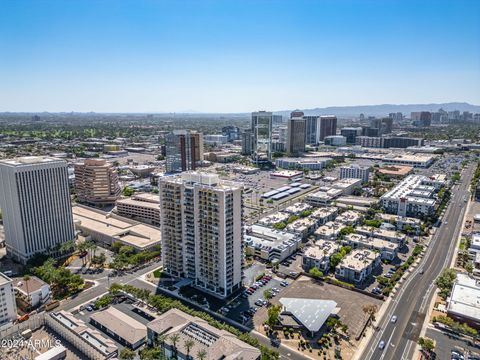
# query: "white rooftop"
{"points": [[311, 313]]}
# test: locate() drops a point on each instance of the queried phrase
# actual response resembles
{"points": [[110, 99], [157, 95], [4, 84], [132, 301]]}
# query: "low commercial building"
{"points": [[357, 202], [347, 185], [108, 229], [335, 140], [121, 327], [388, 250], [287, 174], [389, 235], [350, 217], [323, 198], [462, 305], [303, 163], [270, 244], [318, 255], [32, 292], [8, 307], [307, 314], [141, 207], [88, 341], [357, 266], [417, 161], [217, 344]]}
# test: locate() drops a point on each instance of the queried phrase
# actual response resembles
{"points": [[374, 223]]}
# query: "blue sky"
{"points": [[235, 56]]}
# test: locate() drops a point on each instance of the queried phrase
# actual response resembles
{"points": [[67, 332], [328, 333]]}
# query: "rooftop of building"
{"points": [[311, 313], [297, 208], [121, 324], [371, 241], [465, 297], [323, 212], [137, 202], [274, 218], [267, 237], [359, 259], [129, 231], [381, 232], [4, 279], [30, 160], [89, 335], [321, 248], [218, 344], [28, 286], [349, 216]]}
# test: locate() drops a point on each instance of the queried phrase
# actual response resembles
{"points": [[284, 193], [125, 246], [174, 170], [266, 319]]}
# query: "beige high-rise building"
{"points": [[96, 182], [202, 231]]}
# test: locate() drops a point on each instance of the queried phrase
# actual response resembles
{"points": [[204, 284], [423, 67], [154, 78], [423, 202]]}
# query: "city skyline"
{"points": [[236, 56]]}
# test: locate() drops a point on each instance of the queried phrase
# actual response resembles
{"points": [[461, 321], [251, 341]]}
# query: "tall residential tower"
{"points": [[183, 150], [202, 231]]}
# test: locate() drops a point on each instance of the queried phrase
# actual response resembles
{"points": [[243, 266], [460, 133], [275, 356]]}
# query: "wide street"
{"points": [[410, 304]]}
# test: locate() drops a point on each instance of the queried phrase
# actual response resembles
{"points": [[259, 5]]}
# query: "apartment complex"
{"points": [[36, 207], [8, 307], [355, 172], [296, 134], [412, 197], [183, 150], [143, 207], [357, 265], [96, 182], [202, 231]]}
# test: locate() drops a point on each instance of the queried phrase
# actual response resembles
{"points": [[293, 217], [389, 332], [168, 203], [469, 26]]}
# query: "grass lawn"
{"points": [[157, 274]]}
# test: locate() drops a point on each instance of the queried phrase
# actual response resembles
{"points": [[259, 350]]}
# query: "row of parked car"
{"points": [[258, 284]]}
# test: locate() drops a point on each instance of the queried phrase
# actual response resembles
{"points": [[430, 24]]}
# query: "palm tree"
{"points": [[174, 339], [161, 342], [26, 278], [188, 345], [201, 354]]}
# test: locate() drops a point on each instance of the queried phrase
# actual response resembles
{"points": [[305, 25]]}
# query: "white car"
{"points": [[393, 319]]}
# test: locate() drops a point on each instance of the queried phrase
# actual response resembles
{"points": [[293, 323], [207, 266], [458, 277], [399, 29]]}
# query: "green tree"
{"points": [[127, 354], [188, 346], [316, 273], [201, 354], [128, 191], [426, 344], [445, 282], [273, 315]]}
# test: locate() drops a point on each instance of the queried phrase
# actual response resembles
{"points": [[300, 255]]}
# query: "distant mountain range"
{"points": [[384, 109]]}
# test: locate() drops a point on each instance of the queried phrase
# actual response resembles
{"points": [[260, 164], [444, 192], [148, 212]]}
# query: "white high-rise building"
{"points": [[202, 231], [8, 307], [36, 206]]}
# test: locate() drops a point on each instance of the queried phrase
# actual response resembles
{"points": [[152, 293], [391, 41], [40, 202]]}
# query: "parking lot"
{"points": [[349, 302]]}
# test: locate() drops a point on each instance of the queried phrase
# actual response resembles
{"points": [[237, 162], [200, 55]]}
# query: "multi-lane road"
{"points": [[410, 304]]}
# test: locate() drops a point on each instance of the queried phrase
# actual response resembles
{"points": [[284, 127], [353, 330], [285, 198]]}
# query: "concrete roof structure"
{"points": [[116, 228], [121, 324], [311, 313], [464, 300], [218, 344]]}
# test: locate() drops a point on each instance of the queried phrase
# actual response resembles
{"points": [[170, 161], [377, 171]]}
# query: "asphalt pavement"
{"points": [[410, 303]]}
